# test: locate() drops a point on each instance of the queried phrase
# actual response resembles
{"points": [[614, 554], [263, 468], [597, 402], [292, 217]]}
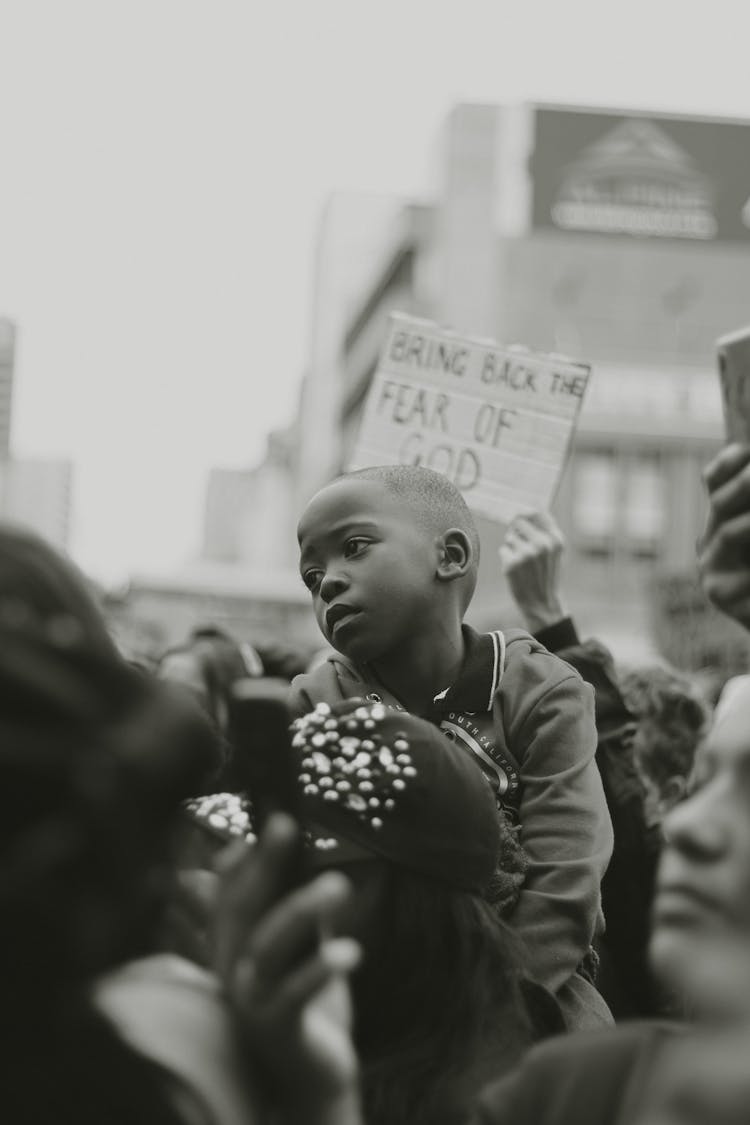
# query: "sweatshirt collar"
{"points": [[474, 688]]}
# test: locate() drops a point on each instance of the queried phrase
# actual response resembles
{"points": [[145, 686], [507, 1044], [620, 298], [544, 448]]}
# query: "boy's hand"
{"points": [[287, 984], [531, 557], [724, 551]]}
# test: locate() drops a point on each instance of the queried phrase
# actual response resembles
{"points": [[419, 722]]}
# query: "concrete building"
{"points": [[263, 607], [7, 360], [619, 238], [37, 493], [249, 516]]}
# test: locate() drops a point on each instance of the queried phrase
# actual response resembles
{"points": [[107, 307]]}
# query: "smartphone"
{"points": [[733, 357], [266, 765]]}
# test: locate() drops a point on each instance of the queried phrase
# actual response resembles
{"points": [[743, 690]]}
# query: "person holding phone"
{"points": [[96, 1025]]}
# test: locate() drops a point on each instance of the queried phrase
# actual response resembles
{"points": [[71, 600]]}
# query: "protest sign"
{"points": [[497, 421], [733, 354]]}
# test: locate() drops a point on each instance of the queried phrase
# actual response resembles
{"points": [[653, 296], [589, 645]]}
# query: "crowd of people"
{"points": [[501, 877]]}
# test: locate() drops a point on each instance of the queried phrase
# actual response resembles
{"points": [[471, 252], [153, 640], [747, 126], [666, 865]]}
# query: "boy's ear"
{"points": [[455, 555]]}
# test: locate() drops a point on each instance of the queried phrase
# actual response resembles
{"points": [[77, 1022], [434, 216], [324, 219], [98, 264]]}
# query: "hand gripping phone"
{"points": [[266, 764], [733, 356]]}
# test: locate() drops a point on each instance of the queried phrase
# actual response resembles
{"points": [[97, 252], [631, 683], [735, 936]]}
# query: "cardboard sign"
{"points": [[497, 421], [733, 354]]}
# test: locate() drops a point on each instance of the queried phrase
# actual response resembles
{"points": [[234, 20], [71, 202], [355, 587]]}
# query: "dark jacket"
{"points": [[528, 718], [628, 885]]}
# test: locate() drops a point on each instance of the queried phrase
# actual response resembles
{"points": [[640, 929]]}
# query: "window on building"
{"points": [[595, 501], [644, 512]]}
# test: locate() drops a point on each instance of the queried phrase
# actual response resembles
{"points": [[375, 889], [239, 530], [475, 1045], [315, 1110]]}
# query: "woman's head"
{"points": [[701, 934], [94, 758], [380, 782], [439, 999]]}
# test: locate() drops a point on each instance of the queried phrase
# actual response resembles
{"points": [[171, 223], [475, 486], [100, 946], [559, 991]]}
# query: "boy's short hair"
{"points": [[435, 500]]}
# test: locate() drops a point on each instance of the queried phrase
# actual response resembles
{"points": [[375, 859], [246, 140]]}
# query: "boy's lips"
{"points": [[338, 613]]}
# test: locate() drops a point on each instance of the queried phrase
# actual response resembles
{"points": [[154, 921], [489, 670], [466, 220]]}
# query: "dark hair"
{"points": [[439, 1002], [94, 762], [671, 719], [436, 502], [75, 1070]]}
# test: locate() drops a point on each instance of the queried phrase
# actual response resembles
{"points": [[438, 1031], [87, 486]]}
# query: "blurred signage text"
{"points": [[646, 176]]}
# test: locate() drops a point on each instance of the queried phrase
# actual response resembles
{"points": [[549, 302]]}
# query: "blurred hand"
{"points": [[188, 919], [531, 558], [285, 979], [724, 551]]}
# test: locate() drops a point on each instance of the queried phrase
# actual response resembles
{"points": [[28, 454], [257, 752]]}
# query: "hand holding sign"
{"points": [[531, 557], [497, 421]]}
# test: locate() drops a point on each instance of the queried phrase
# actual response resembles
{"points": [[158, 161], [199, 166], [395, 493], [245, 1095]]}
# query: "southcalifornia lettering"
{"points": [[463, 728]]}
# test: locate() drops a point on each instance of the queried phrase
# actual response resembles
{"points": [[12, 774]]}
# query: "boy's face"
{"points": [[370, 567], [701, 933]]}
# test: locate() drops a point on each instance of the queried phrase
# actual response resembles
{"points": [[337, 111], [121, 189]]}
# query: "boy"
{"points": [[390, 556]]}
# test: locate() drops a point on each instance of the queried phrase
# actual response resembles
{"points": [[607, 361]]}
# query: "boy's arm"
{"points": [[566, 831]]}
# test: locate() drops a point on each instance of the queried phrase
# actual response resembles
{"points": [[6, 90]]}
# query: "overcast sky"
{"points": [[163, 164]]}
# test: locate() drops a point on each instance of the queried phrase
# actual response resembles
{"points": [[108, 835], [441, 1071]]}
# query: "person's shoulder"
{"points": [[577, 1078], [531, 671], [524, 651]]}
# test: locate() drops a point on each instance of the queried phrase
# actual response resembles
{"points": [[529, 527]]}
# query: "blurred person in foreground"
{"points": [[700, 949], [532, 555], [207, 665], [95, 759], [697, 1074], [441, 1002]]}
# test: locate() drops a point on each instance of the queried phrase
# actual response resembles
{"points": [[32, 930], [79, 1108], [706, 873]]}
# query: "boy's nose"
{"points": [[332, 585]]}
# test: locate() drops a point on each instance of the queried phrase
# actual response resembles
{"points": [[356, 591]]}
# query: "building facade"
{"points": [[37, 492], [621, 239], [7, 361], [34, 491]]}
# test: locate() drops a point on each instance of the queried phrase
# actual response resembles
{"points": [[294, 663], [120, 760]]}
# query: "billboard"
{"points": [[637, 175]]}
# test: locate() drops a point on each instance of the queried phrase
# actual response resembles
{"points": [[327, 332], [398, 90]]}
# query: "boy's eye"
{"points": [[311, 578], [354, 545]]}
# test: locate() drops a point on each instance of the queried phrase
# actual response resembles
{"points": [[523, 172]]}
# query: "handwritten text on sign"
{"points": [[497, 421]]}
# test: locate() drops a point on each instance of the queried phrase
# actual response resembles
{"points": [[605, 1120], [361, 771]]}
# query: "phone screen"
{"points": [[265, 761], [266, 764]]}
